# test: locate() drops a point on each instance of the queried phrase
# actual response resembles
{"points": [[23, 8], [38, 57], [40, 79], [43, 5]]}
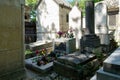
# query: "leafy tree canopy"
{"points": [[31, 4]]}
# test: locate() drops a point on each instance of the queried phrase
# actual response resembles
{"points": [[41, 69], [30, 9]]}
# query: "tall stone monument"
{"points": [[117, 31], [101, 27], [89, 40], [75, 19], [11, 37]]}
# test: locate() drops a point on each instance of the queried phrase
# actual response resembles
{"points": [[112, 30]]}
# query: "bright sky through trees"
{"points": [[70, 0]]}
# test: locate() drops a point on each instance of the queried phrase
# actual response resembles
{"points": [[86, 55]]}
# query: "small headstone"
{"points": [[66, 45]]}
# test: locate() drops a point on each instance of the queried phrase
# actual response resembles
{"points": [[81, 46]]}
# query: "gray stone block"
{"points": [[40, 45], [33, 66], [112, 63], [67, 71], [102, 75], [75, 59], [70, 44]]}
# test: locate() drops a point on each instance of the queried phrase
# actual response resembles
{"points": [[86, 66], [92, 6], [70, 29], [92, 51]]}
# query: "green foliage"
{"points": [[31, 4], [28, 52]]}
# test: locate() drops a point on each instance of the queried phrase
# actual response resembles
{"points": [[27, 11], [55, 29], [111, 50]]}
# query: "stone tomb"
{"points": [[65, 45], [101, 27], [32, 64], [11, 37], [90, 39], [72, 65], [111, 67]]}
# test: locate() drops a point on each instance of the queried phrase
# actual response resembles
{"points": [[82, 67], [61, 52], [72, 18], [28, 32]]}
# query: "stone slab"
{"points": [[67, 71], [75, 73], [40, 45], [75, 59], [102, 75], [33, 65], [112, 63]]}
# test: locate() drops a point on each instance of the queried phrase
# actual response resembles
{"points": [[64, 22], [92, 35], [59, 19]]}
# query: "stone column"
{"points": [[89, 40], [89, 8]]}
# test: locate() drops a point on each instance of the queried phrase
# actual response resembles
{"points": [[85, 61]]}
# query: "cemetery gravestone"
{"points": [[75, 23], [117, 31], [89, 41], [101, 28], [72, 65], [11, 37], [65, 45]]}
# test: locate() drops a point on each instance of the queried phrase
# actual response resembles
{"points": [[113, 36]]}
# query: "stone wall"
{"points": [[11, 36], [64, 18]]}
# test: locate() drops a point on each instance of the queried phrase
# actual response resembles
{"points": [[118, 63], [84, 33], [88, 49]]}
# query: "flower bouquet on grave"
{"points": [[43, 59], [59, 34], [70, 33]]}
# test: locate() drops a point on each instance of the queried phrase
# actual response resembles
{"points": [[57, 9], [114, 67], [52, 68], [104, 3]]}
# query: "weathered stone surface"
{"points": [[102, 75], [11, 37], [75, 59], [40, 45], [67, 71], [112, 63], [76, 73], [75, 22], [33, 65], [69, 47], [101, 27], [89, 39]]}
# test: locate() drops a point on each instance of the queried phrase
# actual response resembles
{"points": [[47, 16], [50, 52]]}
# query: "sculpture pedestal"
{"points": [[89, 41]]}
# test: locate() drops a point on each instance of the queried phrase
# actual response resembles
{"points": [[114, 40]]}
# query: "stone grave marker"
{"points": [[75, 23], [65, 45], [73, 65], [89, 41], [101, 28]]}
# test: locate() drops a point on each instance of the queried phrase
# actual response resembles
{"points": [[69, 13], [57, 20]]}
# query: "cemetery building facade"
{"points": [[52, 16]]}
